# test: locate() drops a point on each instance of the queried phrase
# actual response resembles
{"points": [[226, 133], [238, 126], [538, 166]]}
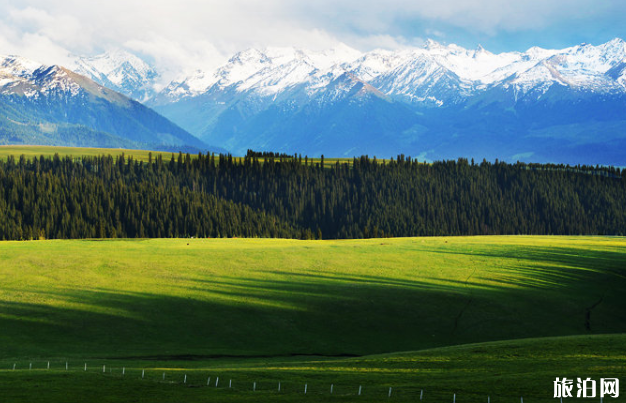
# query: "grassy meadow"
{"points": [[30, 152], [499, 371], [76, 152], [316, 312]]}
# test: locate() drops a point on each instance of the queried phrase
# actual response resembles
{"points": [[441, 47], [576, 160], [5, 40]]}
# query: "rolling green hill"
{"points": [[254, 297], [309, 312], [499, 371]]}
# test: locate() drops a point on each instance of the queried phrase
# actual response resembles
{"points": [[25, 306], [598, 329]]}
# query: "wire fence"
{"points": [[207, 378]]}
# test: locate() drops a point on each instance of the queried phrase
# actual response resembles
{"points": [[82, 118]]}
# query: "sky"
{"points": [[186, 35]]}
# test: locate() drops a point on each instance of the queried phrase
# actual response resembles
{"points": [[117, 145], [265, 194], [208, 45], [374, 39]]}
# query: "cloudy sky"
{"points": [[191, 34]]}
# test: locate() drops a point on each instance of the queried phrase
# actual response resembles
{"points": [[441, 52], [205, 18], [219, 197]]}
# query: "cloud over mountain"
{"points": [[191, 34]]}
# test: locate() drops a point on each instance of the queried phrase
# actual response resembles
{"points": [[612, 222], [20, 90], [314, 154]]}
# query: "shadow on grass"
{"points": [[314, 313]]}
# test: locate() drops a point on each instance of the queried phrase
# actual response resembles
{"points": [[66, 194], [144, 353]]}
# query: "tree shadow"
{"points": [[310, 312]]}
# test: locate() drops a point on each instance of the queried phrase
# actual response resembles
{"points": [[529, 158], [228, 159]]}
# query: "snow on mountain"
{"points": [[618, 73], [421, 79], [435, 74], [42, 104], [24, 77], [582, 67], [265, 72], [121, 71], [442, 100], [337, 55], [17, 66], [372, 64]]}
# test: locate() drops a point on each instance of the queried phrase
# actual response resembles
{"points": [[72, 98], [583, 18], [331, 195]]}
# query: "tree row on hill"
{"points": [[219, 196]]}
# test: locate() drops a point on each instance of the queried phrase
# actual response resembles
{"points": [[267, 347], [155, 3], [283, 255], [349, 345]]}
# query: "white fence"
{"points": [[197, 377]]}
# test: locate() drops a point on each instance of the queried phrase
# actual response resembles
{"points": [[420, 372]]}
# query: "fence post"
{"points": [[143, 373], [279, 386], [389, 391], [123, 370], [185, 381], [163, 375], [305, 385], [48, 364], [360, 390], [13, 366], [421, 394], [208, 381], [254, 386], [30, 366], [217, 381], [230, 383], [454, 399], [66, 366]]}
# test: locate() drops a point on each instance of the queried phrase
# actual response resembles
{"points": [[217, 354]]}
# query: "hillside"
{"points": [[197, 297], [498, 371], [435, 102], [51, 105], [223, 196]]}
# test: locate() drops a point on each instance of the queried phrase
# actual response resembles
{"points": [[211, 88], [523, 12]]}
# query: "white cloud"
{"points": [[192, 34]]}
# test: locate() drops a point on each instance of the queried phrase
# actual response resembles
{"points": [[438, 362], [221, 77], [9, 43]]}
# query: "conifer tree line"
{"points": [[220, 196]]}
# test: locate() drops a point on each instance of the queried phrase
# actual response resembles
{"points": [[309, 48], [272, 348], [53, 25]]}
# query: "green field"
{"points": [[259, 310], [138, 155], [501, 371], [76, 152]]}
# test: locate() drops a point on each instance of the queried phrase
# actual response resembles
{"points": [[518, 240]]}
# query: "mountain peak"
{"points": [[431, 44], [616, 45], [480, 51], [119, 70], [18, 65], [249, 55], [111, 60]]}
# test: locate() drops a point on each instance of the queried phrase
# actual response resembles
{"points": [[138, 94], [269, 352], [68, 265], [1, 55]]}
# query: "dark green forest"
{"points": [[220, 196]]}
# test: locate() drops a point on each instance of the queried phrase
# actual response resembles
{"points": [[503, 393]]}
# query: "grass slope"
{"points": [[243, 310], [210, 297], [76, 152], [503, 371], [30, 151]]}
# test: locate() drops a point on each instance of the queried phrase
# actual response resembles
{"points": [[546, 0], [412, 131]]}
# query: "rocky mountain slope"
{"points": [[51, 105], [439, 101]]}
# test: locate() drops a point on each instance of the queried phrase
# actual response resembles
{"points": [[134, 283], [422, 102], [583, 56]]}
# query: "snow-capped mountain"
{"points": [[120, 71], [53, 105], [436, 101], [267, 72], [409, 75]]}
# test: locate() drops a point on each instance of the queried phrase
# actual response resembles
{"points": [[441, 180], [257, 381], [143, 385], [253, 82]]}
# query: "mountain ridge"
{"points": [[439, 101], [52, 105], [443, 101]]}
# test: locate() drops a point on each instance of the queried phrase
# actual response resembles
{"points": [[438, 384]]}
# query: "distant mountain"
{"points": [[120, 71], [439, 101], [51, 105]]}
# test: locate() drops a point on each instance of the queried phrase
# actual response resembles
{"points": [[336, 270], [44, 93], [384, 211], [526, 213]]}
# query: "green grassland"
{"points": [[316, 312], [138, 155], [502, 371], [76, 152]]}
